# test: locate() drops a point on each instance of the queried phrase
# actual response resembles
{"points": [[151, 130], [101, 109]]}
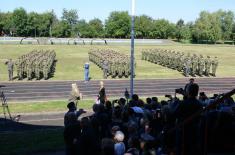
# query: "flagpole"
{"points": [[132, 46]]}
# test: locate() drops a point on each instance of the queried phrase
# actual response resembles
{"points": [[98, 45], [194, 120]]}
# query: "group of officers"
{"points": [[188, 64], [34, 64], [37, 63], [111, 62]]}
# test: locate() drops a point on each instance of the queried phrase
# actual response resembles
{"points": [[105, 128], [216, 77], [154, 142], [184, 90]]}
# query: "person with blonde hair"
{"points": [[119, 146], [75, 94], [102, 94]]}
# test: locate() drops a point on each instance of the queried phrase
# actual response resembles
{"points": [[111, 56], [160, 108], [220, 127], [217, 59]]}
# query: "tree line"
{"points": [[208, 28]]}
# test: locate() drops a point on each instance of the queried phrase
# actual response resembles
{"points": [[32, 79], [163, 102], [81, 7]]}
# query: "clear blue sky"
{"points": [[171, 10]]}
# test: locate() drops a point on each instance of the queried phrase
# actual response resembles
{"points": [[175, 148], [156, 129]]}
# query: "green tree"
{"points": [[84, 29], [207, 27], [61, 29], [33, 22], [6, 24], [97, 27], [53, 20], [19, 20], [179, 34], [182, 31], [1, 22], [118, 25], [227, 20], [162, 29], [47, 21], [143, 26], [70, 16], [40, 24], [233, 32]]}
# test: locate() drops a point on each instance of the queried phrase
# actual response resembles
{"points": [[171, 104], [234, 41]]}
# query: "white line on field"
{"points": [[40, 120]]}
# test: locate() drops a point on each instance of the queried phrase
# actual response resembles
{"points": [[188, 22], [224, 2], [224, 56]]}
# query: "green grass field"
{"points": [[70, 67], [57, 106], [30, 142], [50, 106], [71, 59]]}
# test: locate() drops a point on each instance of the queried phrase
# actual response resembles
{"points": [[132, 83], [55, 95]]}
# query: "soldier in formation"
{"points": [[207, 65], [111, 62], [34, 64], [10, 67], [105, 69], [201, 65], [214, 64], [188, 64]]}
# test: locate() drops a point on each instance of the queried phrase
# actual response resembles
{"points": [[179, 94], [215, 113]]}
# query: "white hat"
{"points": [[119, 136]]}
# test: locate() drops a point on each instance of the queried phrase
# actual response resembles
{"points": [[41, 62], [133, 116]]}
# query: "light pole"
{"points": [[50, 31], [132, 46], [35, 27], [35, 32]]}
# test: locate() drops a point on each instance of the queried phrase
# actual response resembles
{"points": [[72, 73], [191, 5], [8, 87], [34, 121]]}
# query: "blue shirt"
{"points": [[86, 66]]}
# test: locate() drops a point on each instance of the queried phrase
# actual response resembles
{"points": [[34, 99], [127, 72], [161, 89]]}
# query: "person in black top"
{"points": [[72, 130], [190, 130], [88, 143], [102, 94], [184, 91], [191, 81]]}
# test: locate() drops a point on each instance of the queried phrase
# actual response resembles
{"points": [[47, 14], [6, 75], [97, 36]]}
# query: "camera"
{"points": [[168, 96], [179, 91], [214, 96], [126, 94], [115, 101], [158, 113], [81, 111]]}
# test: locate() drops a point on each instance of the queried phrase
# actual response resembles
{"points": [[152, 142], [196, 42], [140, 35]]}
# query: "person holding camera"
{"points": [[185, 109], [191, 81], [72, 128], [102, 94], [72, 115]]}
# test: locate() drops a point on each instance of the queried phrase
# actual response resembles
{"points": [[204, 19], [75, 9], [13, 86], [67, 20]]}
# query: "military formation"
{"points": [[10, 66], [111, 62], [36, 64], [188, 64]]}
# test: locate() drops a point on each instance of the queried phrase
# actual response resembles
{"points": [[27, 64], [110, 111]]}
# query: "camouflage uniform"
{"points": [[105, 69], [143, 55], [10, 67], [194, 64], [207, 66], [187, 66], [45, 70], [37, 69], [29, 70], [19, 68], [181, 62], [214, 64]]}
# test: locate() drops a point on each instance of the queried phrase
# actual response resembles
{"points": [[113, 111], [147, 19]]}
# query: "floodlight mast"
{"points": [[132, 47]]}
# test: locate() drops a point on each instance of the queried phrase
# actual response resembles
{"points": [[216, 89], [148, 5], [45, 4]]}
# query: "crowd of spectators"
{"points": [[150, 127]]}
